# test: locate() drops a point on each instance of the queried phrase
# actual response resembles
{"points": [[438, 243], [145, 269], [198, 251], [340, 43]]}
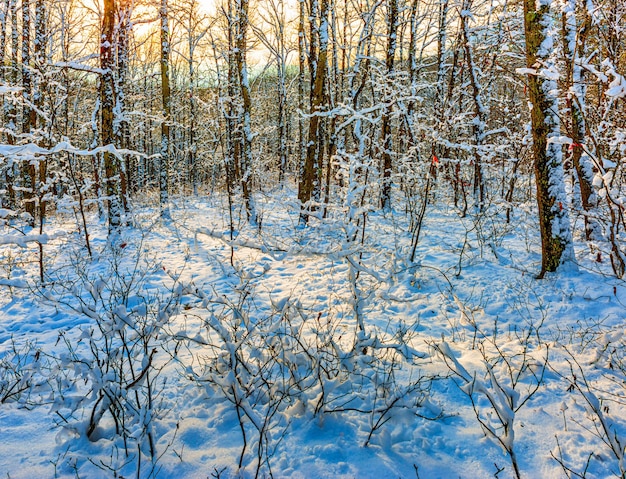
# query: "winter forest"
{"points": [[313, 239]]}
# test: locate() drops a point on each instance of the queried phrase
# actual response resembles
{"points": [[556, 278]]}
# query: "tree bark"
{"points": [[480, 119], [392, 27], [308, 188], [301, 85], [29, 117], [107, 106], [164, 161], [244, 86], [121, 124], [574, 49], [556, 247]]}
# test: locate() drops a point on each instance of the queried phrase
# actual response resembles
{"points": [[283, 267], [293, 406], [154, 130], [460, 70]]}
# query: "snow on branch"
{"points": [[78, 66], [5, 90], [23, 240], [31, 150], [617, 88]]}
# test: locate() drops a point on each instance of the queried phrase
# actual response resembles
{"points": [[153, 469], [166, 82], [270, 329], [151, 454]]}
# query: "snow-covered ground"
{"points": [[295, 352]]}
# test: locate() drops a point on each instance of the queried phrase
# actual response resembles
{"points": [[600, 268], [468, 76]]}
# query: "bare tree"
{"points": [[387, 142], [244, 86], [195, 27], [166, 98], [309, 187], [574, 48], [556, 242], [107, 106], [478, 125], [29, 115], [9, 74], [122, 72], [275, 40]]}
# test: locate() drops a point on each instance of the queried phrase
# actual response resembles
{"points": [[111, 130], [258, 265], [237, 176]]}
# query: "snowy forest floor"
{"points": [[295, 352]]}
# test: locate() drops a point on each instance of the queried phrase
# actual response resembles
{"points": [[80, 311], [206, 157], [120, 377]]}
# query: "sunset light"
{"points": [[317, 239]]}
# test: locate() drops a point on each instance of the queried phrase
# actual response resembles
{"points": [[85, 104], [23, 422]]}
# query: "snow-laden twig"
{"points": [[607, 428], [501, 391], [23, 240]]}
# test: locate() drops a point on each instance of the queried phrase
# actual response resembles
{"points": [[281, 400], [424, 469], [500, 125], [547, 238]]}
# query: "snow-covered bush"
{"points": [[509, 372], [20, 373], [107, 379], [259, 364], [598, 388], [276, 367]]}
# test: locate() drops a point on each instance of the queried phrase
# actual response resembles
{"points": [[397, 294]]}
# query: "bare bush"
{"points": [[107, 381], [507, 378], [274, 365], [603, 405], [21, 373]]}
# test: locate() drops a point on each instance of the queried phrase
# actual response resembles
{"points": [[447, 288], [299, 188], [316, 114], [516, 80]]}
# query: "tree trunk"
{"points": [[41, 187], [301, 84], [308, 188], [9, 74], [233, 130], [121, 124], [107, 106], [478, 125], [29, 117], [440, 100], [556, 243], [10, 109], [575, 101], [4, 11], [244, 85], [392, 27], [39, 52], [164, 160]]}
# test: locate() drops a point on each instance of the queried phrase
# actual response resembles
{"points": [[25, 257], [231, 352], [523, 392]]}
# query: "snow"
{"points": [[617, 87], [23, 240], [526, 71], [271, 341], [31, 150], [4, 90], [5, 213]]}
